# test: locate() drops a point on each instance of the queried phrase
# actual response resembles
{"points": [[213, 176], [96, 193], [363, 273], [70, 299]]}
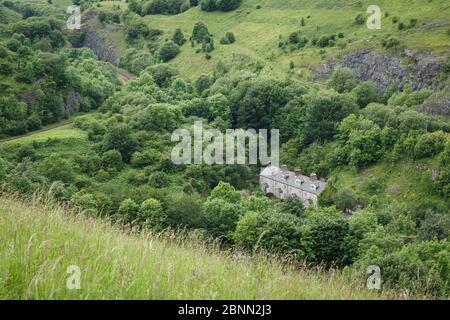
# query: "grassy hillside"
{"points": [[258, 31], [116, 264]]}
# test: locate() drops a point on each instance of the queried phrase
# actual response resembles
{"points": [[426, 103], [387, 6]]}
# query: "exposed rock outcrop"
{"points": [[71, 102], [95, 41], [420, 72]]}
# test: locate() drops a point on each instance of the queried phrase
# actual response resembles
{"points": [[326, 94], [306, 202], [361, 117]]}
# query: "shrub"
{"points": [[390, 42], [202, 83], [159, 180], [227, 5], [208, 5], [127, 212], [178, 37], [345, 199], [360, 19], [168, 51], [230, 37], [120, 138], [112, 159], [342, 80], [429, 144], [221, 217], [325, 234], [151, 214], [272, 231], [224, 41], [294, 206], [366, 93], [200, 32]]}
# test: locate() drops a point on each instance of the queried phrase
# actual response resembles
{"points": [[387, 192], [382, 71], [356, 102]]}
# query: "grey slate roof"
{"points": [[301, 182]]}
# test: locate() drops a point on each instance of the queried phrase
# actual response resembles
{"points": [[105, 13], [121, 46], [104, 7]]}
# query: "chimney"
{"points": [[313, 177], [298, 172], [284, 168]]}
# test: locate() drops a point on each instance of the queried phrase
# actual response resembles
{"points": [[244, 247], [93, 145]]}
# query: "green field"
{"points": [[117, 264], [58, 133], [258, 31]]}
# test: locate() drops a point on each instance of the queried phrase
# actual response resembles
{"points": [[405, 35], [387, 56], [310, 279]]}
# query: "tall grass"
{"points": [[38, 242]]}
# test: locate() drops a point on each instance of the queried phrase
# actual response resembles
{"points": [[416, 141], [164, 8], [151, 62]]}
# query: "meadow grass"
{"points": [[66, 131], [39, 241]]}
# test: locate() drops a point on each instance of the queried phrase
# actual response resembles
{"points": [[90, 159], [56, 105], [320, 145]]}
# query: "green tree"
{"points": [[202, 83], [120, 138], [151, 214], [342, 80], [272, 231], [345, 199], [226, 192], [294, 206], [178, 37], [200, 32], [127, 212], [326, 231], [168, 51], [220, 217], [112, 159], [366, 93], [324, 110], [55, 168]]}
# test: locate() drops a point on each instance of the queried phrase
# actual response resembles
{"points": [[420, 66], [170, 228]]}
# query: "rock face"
{"points": [[94, 40], [420, 72], [71, 102]]}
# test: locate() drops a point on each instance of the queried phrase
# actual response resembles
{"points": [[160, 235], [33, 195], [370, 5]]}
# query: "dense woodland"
{"points": [[122, 168]]}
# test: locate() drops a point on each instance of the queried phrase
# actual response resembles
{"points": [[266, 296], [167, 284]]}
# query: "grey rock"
{"points": [[420, 71], [94, 40]]}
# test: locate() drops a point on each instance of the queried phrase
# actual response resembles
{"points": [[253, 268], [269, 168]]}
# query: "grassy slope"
{"points": [[403, 181], [258, 30], [39, 243]]}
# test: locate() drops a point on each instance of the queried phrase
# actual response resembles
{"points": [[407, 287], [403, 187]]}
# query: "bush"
{"points": [[230, 37], [178, 37], [224, 41], [325, 233], [202, 83], [159, 180], [208, 5], [390, 42], [429, 144], [272, 231], [221, 217], [227, 5], [360, 19], [294, 206], [120, 138], [366, 93], [200, 32], [222, 5], [342, 80], [112, 159], [55, 168], [151, 214], [168, 51], [127, 212]]}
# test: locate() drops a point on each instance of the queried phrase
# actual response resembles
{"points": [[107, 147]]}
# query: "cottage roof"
{"points": [[289, 178]]}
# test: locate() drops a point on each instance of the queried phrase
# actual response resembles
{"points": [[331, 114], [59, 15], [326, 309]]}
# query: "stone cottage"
{"points": [[282, 183]]}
